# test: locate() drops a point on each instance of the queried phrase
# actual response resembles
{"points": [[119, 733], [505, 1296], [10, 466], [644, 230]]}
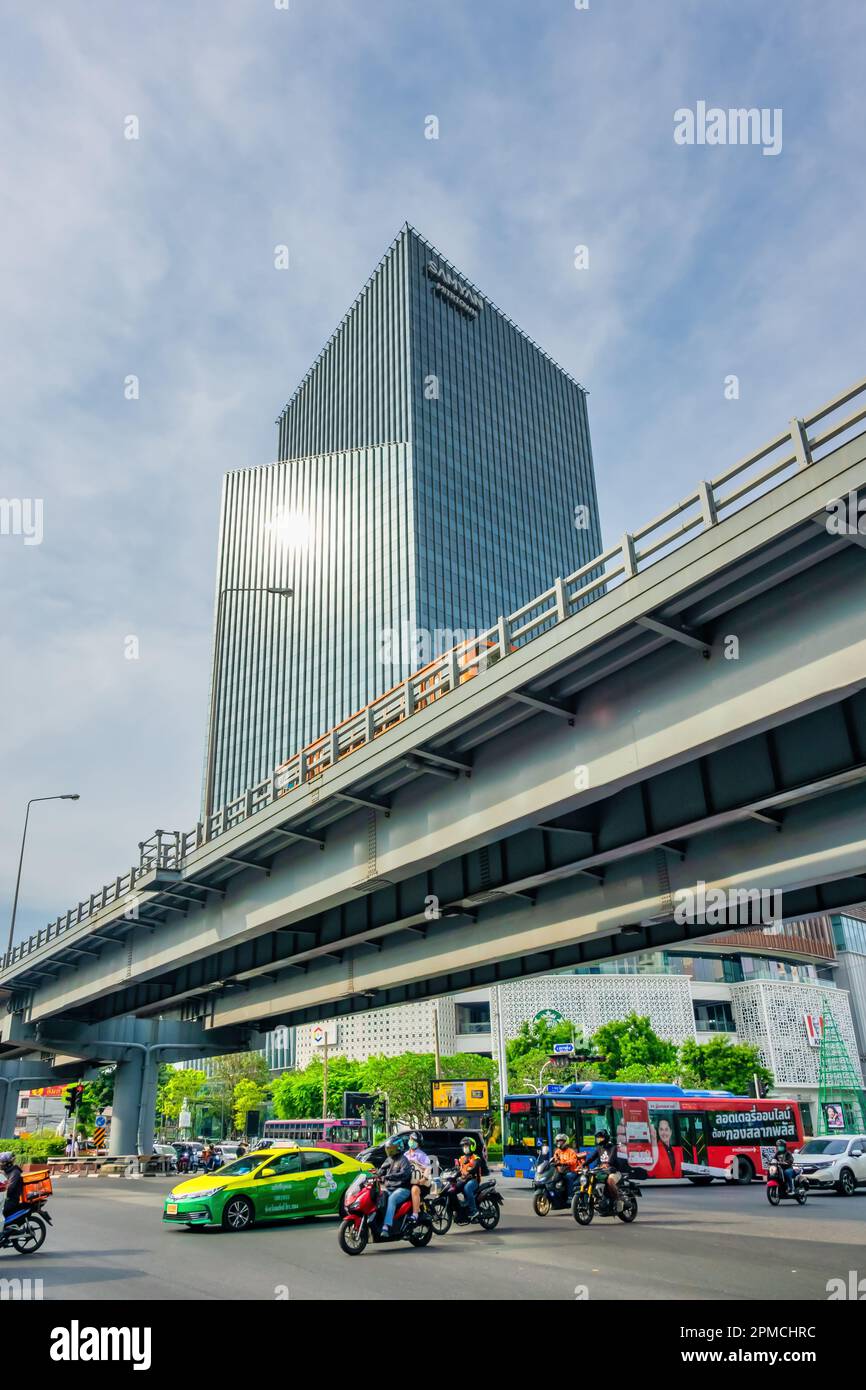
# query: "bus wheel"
{"points": [[541, 1204], [745, 1171]]}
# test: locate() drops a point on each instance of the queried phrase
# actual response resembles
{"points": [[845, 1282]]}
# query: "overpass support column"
{"points": [[128, 1077], [147, 1108], [8, 1106]]}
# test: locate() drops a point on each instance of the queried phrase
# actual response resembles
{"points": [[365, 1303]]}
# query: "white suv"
{"points": [[834, 1160]]}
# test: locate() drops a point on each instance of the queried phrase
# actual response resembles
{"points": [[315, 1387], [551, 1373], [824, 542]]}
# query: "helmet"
{"points": [[781, 1144], [391, 1147], [602, 1136], [6, 1159], [467, 1142], [561, 1141]]}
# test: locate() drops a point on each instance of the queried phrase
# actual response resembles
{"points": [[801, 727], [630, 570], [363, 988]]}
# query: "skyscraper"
{"points": [[434, 471]]}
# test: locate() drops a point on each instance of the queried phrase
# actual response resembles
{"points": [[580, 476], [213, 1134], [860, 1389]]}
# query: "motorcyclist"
{"points": [[420, 1165], [604, 1157], [567, 1162], [13, 1195], [469, 1174], [396, 1176], [785, 1159]]}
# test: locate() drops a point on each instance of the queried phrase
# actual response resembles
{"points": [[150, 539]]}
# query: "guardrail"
{"points": [[738, 487]]}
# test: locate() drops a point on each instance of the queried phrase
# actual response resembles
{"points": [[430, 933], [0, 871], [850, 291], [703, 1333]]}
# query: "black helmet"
{"points": [[7, 1160], [467, 1142], [561, 1141], [781, 1143], [602, 1136]]}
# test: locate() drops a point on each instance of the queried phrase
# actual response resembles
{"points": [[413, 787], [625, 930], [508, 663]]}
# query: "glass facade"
{"points": [[434, 472], [708, 969]]}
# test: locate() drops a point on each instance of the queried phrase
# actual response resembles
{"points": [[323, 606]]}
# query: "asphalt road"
{"points": [[108, 1242]]}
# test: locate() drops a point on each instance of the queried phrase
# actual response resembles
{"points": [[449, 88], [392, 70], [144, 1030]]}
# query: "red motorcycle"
{"points": [[364, 1206]]}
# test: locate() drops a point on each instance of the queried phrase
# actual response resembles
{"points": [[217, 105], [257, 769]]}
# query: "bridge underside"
{"points": [[705, 722]]}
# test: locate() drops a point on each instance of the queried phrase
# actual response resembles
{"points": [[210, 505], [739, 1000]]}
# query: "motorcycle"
{"points": [[25, 1230], [551, 1189], [777, 1187], [364, 1208], [449, 1207], [591, 1198]]}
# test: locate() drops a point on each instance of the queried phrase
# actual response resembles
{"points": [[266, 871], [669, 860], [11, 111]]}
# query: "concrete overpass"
{"points": [[689, 707]]}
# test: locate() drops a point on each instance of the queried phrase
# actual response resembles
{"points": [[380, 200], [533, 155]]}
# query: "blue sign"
{"points": [[563, 1049]]}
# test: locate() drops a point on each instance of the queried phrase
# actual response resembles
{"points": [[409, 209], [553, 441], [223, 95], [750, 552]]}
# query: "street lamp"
{"points": [[64, 796], [216, 671]]}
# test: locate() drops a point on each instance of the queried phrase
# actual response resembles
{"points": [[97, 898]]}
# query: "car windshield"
{"points": [[824, 1146], [241, 1166]]}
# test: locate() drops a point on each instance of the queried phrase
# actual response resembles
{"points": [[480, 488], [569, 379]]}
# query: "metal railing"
{"points": [[710, 502]]}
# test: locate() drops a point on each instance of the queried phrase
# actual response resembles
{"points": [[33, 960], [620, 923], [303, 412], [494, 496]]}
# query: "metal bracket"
{"points": [[674, 633], [544, 706]]}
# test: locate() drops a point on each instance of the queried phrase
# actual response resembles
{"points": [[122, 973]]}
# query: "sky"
{"points": [[261, 124]]}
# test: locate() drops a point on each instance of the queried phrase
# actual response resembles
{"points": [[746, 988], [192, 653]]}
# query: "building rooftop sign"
{"points": [[448, 287]]}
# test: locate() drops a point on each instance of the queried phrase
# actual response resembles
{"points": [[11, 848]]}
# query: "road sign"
{"points": [[460, 1097], [563, 1049], [99, 1137]]}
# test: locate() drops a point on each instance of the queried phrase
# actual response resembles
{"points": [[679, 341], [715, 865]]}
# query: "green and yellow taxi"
{"points": [[267, 1185]]}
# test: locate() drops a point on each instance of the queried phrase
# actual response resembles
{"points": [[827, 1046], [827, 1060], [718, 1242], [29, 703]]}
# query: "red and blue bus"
{"points": [[669, 1131], [346, 1136]]}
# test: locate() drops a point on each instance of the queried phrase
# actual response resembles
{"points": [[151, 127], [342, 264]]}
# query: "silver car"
{"points": [[834, 1160]]}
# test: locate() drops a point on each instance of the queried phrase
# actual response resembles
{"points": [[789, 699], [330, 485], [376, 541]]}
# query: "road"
{"points": [[108, 1242]]}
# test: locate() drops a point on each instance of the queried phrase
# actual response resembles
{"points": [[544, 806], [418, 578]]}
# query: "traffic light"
{"points": [[72, 1097]]}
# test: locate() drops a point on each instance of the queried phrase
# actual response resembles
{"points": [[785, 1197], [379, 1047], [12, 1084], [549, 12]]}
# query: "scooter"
{"points": [[551, 1189], [591, 1198], [777, 1188], [25, 1230], [364, 1208], [449, 1207]]}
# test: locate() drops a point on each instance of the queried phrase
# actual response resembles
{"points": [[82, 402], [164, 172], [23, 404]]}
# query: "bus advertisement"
{"points": [[669, 1131]]}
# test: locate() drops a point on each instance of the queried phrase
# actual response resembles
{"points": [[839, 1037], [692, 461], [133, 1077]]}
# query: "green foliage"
{"points": [[297, 1095], [180, 1085], [721, 1065], [405, 1080], [35, 1147], [528, 1056], [248, 1095], [631, 1042]]}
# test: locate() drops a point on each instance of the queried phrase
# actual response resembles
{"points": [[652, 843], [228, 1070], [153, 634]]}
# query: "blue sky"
{"points": [[259, 127]]}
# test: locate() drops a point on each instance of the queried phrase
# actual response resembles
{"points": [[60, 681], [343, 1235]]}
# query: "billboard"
{"points": [[459, 1097]]}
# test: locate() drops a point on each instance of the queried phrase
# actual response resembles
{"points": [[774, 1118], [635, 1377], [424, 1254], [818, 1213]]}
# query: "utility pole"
{"points": [[498, 1030], [325, 1080], [438, 1059]]}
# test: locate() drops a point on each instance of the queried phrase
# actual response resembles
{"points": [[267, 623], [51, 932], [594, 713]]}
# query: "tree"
{"points": [[721, 1065], [531, 1050], [180, 1086], [248, 1095], [297, 1095], [406, 1081], [226, 1073], [628, 1042]]}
